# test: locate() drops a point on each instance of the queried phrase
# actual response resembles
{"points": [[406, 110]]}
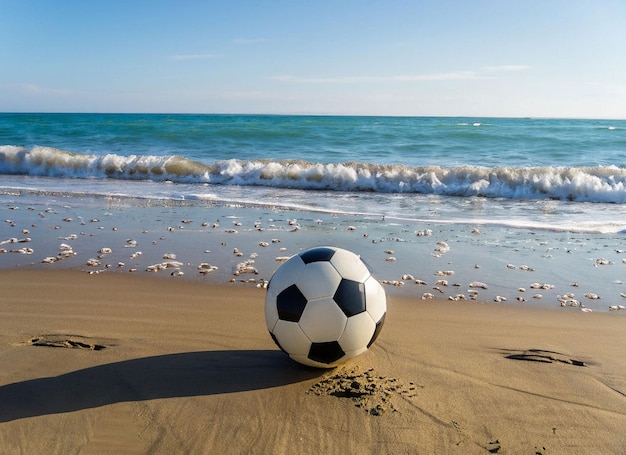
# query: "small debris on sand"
{"points": [[367, 390]]}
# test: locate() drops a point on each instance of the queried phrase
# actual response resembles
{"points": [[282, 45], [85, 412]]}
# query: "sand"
{"points": [[122, 363]]}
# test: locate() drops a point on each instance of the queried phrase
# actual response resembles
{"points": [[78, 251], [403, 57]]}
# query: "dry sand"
{"points": [[116, 363]]}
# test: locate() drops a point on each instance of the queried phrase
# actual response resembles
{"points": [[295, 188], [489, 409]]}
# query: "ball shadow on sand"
{"points": [[165, 376]]}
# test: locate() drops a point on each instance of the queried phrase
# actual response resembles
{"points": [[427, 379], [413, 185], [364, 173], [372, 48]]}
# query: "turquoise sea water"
{"points": [[532, 204], [534, 173]]}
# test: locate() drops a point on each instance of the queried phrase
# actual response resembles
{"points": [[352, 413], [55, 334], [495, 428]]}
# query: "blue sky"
{"points": [[539, 58]]}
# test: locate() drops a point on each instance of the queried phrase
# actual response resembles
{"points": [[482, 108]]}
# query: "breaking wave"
{"points": [[581, 184]]}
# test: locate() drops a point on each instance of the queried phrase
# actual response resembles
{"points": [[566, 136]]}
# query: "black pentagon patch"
{"points": [[379, 327], [290, 304], [317, 254], [328, 352], [350, 296], [277, 343]]}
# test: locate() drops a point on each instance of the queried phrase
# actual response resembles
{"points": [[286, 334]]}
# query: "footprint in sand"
{"points": [[65, 341], [539, 355]]}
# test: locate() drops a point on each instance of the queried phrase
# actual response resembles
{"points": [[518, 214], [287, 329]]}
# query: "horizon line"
{"points": [[313, 114]]}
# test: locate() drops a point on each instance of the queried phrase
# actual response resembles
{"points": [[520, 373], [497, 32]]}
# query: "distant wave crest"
{"points": [[581, 184]]}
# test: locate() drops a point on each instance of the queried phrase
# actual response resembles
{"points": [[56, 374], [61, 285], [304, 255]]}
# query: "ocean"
{"points": [[561, 180], [539, 173]]}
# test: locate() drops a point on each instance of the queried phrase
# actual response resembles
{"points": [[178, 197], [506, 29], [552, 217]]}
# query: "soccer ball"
{"points": [[324, 307]]}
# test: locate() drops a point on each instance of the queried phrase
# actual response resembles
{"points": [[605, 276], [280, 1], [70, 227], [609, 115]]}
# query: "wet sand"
{"points": [[130, 363], [225, 244]]}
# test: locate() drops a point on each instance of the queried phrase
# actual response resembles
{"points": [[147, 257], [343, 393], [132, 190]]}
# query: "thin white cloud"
{"points": [[506, 68], [461, 75], [450, 76], [193, 56], [254, 95], [249, 40]]}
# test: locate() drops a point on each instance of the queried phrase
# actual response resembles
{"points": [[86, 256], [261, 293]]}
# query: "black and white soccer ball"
{"points": [[324, 307]]}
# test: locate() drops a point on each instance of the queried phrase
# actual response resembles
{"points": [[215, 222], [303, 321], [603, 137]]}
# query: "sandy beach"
{"points": [[138, 327], [121, 363]]}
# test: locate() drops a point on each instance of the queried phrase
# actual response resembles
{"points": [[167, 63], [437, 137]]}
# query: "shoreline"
{"points": [[157, 366], [222, 244]]}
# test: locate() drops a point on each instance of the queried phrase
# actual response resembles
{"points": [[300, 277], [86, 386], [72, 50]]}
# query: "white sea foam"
{"points": [[582, 184]]}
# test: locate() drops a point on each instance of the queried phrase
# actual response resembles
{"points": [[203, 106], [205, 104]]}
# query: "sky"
{"points": [[481, 58]]}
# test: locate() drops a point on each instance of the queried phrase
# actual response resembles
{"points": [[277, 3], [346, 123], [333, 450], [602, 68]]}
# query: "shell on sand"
{"points": [[592, 296], [282, 258]]}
